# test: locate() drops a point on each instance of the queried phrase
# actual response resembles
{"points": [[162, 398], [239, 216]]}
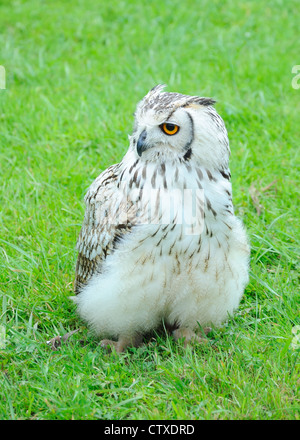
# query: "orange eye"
{"points": [[169, 128]]}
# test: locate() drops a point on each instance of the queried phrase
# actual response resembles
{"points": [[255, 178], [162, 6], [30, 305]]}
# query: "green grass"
{"points": [[74, 73]]}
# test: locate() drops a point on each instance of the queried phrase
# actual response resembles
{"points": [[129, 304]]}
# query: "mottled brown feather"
{"points": [[99, 236]]}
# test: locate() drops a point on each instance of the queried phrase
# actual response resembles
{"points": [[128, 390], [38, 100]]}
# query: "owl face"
{"points": [[164, 132], [174, 126]]}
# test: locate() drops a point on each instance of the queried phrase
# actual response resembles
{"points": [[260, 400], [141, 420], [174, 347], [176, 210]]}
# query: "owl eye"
{"points": [[169, 128]]}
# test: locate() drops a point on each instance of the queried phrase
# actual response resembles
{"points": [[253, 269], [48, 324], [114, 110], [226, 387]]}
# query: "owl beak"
{"points": [[141, 143]]}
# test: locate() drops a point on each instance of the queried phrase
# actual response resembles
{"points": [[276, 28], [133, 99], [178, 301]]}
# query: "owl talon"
{"points": [[122, 343], [108, 344], [189, 336], [207, 330], [55, 342]]}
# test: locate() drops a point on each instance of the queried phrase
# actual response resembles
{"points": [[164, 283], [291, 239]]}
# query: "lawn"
{"points": [[74, 73]]}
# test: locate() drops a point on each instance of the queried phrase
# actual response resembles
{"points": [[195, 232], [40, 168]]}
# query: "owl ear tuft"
{"points": [[158, 88], [155, 91]]}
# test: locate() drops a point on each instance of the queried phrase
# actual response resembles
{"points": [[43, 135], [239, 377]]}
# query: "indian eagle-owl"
{"points": [[143, 256]]}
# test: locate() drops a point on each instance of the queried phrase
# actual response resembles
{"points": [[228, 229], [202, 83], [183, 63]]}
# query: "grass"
{"points": [[74, 73]]}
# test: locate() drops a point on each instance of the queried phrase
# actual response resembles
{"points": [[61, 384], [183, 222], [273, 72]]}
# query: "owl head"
{"points": [[172, 126]]}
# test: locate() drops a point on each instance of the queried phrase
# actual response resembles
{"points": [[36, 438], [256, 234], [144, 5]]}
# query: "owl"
{"points": [[160, 242]]}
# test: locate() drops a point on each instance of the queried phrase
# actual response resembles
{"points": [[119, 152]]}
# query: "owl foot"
{"points": [[56, 342], [122, 343], [189, 336]]}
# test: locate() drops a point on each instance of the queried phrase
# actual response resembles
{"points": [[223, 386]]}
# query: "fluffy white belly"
{"points": [[184, 280]]}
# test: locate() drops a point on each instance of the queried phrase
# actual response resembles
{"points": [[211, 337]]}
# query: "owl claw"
{"points": [[108, 344], [122, 343], [189, 336], [207, 330], [55, 342]]}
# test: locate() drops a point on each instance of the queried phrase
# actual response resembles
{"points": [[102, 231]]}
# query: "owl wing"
{"points": [[103, 227]]}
